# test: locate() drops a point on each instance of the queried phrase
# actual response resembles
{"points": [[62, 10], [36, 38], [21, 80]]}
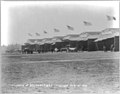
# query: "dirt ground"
{"points": [[61, 73]]}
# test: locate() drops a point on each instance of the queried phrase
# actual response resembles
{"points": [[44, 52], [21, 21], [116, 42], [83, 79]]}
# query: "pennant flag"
{"points": [[45, 32], [70, 28], [114, 18], [110, 18], [37, 34], [29, 34], [56, 30], [87, 23]]}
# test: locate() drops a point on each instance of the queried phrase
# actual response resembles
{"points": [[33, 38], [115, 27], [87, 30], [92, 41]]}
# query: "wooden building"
{"points": [[71, 40], [57, 43], [86, 41], [108, 40], [29, 47]]}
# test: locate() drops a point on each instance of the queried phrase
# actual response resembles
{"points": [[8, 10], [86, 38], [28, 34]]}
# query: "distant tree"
{"points": [[3, 49], [13, 48]]}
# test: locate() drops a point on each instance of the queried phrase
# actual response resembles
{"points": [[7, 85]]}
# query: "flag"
{"points": [[70, 27], [37, 34], [29, 34], [56, 30], [110, 18], [87, 23], [45, 32]]}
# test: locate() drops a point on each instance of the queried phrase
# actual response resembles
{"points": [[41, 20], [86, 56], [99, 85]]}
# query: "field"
{"points": [[61, 73]]}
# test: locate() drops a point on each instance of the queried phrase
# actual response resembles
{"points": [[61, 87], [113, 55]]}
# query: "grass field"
{"points": [[61, 73]]}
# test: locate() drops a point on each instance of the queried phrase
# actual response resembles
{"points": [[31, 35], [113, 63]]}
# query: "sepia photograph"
{"points": [[60, 47]]}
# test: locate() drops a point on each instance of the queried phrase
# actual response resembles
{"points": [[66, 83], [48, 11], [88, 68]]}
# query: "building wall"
{"points": [[108, 43], [116, 43], [91, 45]]}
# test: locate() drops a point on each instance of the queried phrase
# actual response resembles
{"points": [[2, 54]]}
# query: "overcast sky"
{"points": [[21, 18]]}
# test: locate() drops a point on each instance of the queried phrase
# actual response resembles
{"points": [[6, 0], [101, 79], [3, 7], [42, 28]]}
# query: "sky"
{"points": [[18, 18]]}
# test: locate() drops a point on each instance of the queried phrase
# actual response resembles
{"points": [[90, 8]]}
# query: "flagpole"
{"points": [[97, 46], [114, 44]]}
